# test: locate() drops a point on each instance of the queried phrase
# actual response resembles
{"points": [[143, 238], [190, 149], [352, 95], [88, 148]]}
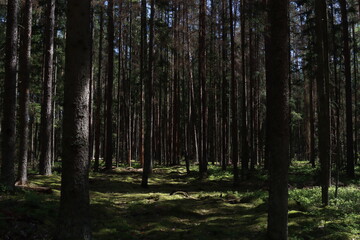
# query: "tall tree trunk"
{"points": [[202, 82], [277, 112], [355, 52], [225, 89], [110, 83], [91, 98], [74, 203], [312, 124], [244, 130], [350, 171], [149, 118], [142, 76], [8, 127], [24, 88], [234, 105], [98, 93], [119, 129], [322, 79], [46, 107]]}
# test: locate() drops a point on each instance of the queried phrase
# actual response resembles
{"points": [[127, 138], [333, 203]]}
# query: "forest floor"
{"points": [[180, 206]]}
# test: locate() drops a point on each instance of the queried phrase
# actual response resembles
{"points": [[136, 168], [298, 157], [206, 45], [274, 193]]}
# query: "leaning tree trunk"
{"points": [[24, 89], [46, 107], [8, 126], [277, 112], [74, 204]]}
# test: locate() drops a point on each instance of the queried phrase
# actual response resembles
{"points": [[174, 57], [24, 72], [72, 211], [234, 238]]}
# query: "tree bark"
{"points": [[225, 89], [350, 170], [110, 83], [322, 79], [46, 107], [244, 129], [143, 61], [24, 90], [8, 127], [149, 117], [277, 112], [98, 94], [234, 105], [203, 94], [74, 203]]}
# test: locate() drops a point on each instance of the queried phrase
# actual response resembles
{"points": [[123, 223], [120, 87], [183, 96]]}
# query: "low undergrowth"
{"points": [[180, 206]]}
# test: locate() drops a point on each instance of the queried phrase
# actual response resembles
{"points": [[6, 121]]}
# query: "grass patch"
{"points": [[180, 206]]}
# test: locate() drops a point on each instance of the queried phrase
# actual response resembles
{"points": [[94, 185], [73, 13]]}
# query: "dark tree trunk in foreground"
{"points": [[24, 91], [110, 83], [148, 144], [322, 79], [277, 89], [8, 128], [350, 171], [46, 107], [74, 204]]}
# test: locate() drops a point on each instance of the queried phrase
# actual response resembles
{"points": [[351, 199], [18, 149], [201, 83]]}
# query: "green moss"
{"points": [[211, 208]]}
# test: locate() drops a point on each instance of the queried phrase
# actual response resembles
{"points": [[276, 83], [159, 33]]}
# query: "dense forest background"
{"points": [[214, 102]]}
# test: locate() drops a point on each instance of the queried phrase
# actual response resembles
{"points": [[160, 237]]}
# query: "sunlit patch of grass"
{"points": [[339, 220], [178, 205]]}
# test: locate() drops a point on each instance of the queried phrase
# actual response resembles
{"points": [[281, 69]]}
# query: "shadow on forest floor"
{"points": [[180, 206]]}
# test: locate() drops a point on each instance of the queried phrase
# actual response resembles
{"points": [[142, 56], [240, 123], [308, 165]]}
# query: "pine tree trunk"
{"points": [[203, 94], [277, 112], [244, 129], [225, 89], [350, 171], [91, 98], [148, 144], [234, 105], [74, 204], [110, 82], [46, 107], [355, 52], [98, 94], [24, 88], [142, 77], [8, 127], [322, 79]]}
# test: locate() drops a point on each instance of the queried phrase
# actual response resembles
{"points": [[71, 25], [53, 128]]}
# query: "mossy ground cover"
{"points": [[180, 206]]}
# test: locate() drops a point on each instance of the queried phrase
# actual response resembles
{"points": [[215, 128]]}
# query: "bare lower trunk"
{"points": [[74, 204], [24, 87], [148, 144], [46, 108], [109, 97], [8, 126], [277, 112]]}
